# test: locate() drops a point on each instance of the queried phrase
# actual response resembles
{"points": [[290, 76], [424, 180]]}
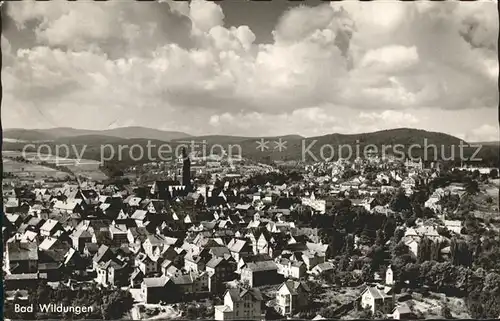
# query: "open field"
{"points": [[487, 201], [31, 170], [85, 167]]}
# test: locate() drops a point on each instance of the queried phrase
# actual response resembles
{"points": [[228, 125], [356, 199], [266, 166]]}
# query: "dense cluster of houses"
{"points": [[173, 242]]}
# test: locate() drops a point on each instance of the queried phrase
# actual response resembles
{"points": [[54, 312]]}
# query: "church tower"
{"points": [[186, 168]]}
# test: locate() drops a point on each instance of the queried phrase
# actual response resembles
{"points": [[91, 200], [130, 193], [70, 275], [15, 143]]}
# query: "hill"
{"points": [[65, 132], [294, 147], [227, 139], [17, 134], [497, 143]]}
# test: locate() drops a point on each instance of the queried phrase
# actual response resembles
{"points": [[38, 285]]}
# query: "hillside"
{"points": [[65, 132], [226, 139], [26, 134], [294, 145]]}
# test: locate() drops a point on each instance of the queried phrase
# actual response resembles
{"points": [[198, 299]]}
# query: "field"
{"points": [[31, 170], [85, 167], [487, 201]]}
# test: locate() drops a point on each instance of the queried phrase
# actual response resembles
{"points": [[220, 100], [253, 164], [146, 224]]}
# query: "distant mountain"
{"points": [[293, 147], [227, 139], [26, 134], [404, 136], [65, 132], [497, 143], [143, 132]]}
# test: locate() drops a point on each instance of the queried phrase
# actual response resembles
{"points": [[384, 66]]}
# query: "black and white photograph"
{"points": [[250, 160]]}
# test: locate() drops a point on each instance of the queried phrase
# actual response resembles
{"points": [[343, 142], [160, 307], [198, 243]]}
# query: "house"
{"points": [[261, 244], [240, 304], [154, 242], [402, 312], [369, 203], [21, 258], [137, 234], [146, 264], [69, 206], [139, 216], [292, 269], [220, 270], [291, 297], [110, 270], [196, 261], [80, 237], [454, 226], [156, 289], [50, 227], [322, 268], [192, 283], [311, 259], [239, 248], [413, 246], [260, 273], [252, 258], [136, 278], [376, 298]]}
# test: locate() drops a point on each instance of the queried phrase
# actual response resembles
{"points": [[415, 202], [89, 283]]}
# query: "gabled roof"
{"points": [[376, 293], [48, 243], [22, 251], [261, 266], [156, 282], [236, 245], [183, 279], [293, 286], [139, 215], [238, 294]]}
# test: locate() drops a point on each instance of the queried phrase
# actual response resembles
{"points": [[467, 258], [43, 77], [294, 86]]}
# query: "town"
{"points": [[210, 239]]}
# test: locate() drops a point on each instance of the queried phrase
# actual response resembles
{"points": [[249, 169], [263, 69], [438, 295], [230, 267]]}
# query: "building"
{"points": [[220, 270], [154, 290], [186, 168], [21, 258], [402, 312], [292, 269], [376, 298], [389, 276], [291, 297], [240, 304], [260, 273]]}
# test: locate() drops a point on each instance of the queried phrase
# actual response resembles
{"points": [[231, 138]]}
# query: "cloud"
{"points": [[485, 133], [390, 59], [205, 15], [172, 62], [390, 118]]}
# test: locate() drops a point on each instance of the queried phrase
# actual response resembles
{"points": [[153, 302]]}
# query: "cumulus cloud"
{"points": [[157, 63], [391, 118], [485, 133]]}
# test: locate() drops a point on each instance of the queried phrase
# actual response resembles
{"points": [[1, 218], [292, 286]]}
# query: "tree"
{"points": [[472, 187], [446, 312], [115, 304], [424, 250], [460, 253], [366, 273], [400, 202]]}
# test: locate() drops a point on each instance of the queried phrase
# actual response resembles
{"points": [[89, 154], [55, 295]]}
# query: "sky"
{"points": [[253, 68]]}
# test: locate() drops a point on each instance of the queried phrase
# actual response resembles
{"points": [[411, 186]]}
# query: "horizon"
{"points": [[243, 136], [237, 135], [207, 68]]}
